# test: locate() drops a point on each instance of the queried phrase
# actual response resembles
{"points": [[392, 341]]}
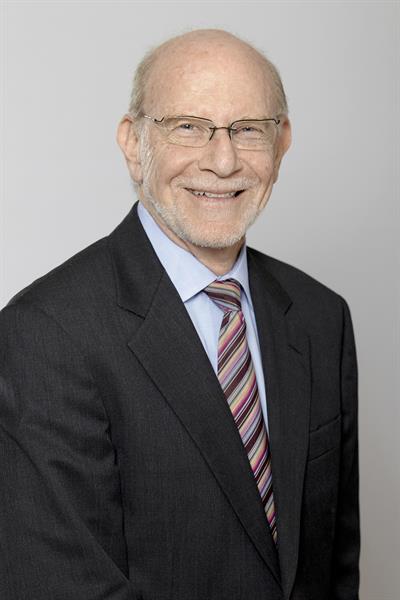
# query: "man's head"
{"points": [[214, 75]]}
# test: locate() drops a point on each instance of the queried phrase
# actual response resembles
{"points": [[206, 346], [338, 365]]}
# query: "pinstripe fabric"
{"points": [[238, 381]]}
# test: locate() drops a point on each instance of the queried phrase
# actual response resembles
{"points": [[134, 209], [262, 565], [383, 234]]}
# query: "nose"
{"points": [[220, 155]]}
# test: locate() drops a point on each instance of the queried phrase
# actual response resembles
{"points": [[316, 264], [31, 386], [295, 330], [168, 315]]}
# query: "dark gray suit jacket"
{"points": [[123, 475]]}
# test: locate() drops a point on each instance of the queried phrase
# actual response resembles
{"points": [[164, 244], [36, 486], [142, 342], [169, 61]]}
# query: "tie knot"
{"points": [[226, 294]]}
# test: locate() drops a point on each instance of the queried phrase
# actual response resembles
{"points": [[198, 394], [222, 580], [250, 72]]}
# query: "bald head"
{"points": [[204, 51]]}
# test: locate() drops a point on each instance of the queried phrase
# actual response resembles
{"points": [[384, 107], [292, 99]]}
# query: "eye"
{"points": [[186, 126], [187, 130], [247, 130]]}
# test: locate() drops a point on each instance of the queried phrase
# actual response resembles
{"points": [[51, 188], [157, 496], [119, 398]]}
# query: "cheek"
{"points": [[168, 163], [264, 168]]}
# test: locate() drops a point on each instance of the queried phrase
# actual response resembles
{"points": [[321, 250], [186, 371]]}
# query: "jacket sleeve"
{"points": [[345, 582], [61, 526]]}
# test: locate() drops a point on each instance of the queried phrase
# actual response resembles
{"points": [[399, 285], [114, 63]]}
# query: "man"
{"points": [[178, 411]]}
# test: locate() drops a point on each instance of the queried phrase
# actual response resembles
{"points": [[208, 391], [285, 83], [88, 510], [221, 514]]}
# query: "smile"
{"points": [[214, 195]]}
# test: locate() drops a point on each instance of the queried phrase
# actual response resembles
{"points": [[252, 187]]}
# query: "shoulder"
{"points": [[80, 275], [75, 294], [291, 277], [311, 301]]}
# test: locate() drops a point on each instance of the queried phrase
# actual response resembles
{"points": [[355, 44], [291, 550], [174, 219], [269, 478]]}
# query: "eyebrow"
{"points": [[245, 118], [252, 118]]}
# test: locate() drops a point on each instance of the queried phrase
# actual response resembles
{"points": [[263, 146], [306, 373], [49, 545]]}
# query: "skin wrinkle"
{"points": [[214, 76], [182, 225], [171, 216]]}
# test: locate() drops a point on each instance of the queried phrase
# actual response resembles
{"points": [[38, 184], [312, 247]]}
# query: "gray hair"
{"points": [[143, 71]]}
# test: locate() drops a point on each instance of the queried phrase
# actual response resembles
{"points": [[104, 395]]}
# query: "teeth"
{"points": [[210, 195]]}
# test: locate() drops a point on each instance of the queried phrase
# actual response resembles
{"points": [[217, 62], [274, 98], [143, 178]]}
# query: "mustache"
{"points": [[197, 183]]}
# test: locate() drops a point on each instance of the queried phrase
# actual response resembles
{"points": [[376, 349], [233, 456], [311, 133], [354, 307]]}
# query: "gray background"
{"points": [[334, 212]]}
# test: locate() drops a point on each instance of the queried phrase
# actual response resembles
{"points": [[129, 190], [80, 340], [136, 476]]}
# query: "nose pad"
{"points": [[214, 129]]}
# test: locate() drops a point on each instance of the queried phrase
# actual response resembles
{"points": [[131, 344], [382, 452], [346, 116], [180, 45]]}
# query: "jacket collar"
{"points": [[135, 263]]}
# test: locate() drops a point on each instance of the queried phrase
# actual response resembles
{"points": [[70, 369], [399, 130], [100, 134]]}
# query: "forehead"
{"points": [[215, 80]]}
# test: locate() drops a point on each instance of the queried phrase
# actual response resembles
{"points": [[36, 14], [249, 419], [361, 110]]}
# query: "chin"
{"points": [[214, 237], [206, 232]]}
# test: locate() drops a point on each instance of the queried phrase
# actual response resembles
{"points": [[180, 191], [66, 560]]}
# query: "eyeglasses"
{"points": [[196, 132]]}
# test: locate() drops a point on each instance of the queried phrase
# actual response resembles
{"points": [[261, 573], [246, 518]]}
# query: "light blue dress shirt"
{"points": [[190, 277]]}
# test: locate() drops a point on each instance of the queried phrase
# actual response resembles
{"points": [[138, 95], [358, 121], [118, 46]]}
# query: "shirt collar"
{"points": [[186, 272]]}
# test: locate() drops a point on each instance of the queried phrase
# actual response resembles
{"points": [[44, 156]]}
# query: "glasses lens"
{"points": [[254, 134], [187, 131]]}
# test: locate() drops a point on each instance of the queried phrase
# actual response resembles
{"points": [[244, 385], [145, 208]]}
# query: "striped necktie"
{"points": [[238, 381]]}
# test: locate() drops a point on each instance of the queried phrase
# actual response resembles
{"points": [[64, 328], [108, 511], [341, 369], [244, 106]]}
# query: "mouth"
{"points": [[210, 194]]}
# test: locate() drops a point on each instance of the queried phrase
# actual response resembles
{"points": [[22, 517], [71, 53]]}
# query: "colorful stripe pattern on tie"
{"points": [[238, 381]]}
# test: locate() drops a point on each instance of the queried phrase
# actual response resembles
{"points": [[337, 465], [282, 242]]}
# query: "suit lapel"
{"points": [[169, 349], [167, 345], [285, 357]]}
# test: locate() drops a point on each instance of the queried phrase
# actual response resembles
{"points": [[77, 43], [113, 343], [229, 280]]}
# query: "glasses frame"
{"points": [[212, 128]]}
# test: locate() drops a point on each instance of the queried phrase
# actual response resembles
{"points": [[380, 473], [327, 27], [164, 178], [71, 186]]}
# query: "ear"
{"points": [[128, 140], [283, 145]]}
